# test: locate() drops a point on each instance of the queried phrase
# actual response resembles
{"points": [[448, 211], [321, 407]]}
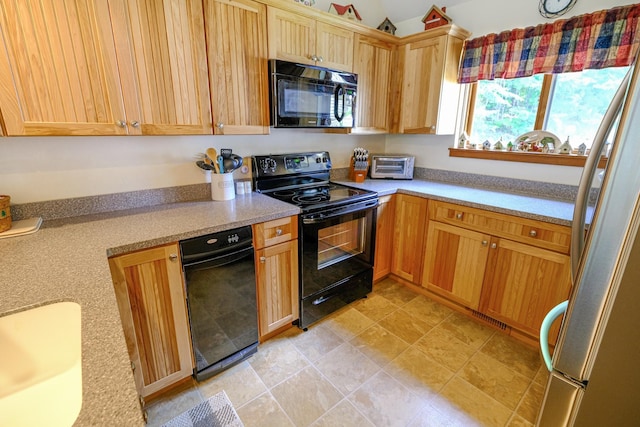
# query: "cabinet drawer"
{"points": [[276, 231], [536, 233]]}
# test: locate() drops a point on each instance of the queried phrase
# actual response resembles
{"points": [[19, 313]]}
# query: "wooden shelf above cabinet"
{"points": [[519, 156]]}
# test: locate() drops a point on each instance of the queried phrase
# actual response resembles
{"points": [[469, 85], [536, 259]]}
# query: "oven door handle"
{"points": [[219, 261], [317, 218], [338, 92]]}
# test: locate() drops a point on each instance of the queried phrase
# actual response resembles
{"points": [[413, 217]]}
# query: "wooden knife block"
{"points": [[357, 175]]}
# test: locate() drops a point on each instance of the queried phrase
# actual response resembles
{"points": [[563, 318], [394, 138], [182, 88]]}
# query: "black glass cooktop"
{"points": [[321, 195]]}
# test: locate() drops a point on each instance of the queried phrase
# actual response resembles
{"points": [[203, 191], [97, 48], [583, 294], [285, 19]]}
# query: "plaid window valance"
{"points": [[608, 38]]}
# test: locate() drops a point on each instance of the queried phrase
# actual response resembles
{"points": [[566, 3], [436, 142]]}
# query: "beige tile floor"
{"points": [[394, 359]]}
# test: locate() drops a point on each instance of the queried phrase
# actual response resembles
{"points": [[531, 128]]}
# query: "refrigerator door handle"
{"points": [[551, 316], [589, 172]]}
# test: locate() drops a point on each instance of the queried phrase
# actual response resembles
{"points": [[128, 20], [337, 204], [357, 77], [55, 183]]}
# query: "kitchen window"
{"points": [[582, 61], [568, 105]]}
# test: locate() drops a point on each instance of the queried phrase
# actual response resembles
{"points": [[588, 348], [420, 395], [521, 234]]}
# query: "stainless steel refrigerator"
{"points": [[595, 369]]}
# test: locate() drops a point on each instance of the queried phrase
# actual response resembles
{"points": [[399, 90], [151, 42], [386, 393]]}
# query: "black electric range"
{"points": [[336, 230]]}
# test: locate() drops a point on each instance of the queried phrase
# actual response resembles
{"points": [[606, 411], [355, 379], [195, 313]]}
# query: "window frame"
{"points": [[519, 156]]}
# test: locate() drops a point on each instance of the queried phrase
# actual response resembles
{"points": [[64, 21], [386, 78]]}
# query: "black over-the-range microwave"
{"points": [[305, 96]]}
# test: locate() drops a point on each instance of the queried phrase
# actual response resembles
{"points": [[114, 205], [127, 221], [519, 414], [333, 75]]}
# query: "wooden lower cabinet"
{"points": [[473, 260], [523, 283], [385, 223], [455, 261], [276, 244], [409, 235], [150, 293]]}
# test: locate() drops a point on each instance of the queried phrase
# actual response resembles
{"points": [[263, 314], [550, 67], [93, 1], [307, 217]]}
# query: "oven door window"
{"points": [[337, 243], [304, 99], [336, 249]]}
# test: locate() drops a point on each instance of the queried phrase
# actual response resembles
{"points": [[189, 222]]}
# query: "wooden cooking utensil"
{"points": [[212, 154]]}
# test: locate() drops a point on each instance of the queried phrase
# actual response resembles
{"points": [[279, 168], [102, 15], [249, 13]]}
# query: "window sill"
{"points": [[519, 156]]}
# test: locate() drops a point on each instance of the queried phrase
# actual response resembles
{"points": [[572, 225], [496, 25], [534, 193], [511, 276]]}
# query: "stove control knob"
{"points": [[318, 160], [268, 165], [325, 160]]}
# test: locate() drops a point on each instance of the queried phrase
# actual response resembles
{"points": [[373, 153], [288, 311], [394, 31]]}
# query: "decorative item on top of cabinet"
{"points": [[409, 235], [435, 17], [373, 62], [430, 92], [347, 11], [237, 50], [385, 222], [387, 26], [276, 244], [150, 295], [297, 38], [124, 67]]}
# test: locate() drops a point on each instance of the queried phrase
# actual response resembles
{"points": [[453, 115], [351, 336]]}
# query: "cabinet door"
{"points": [[424, 61], [150, 294], [237, 47], [409, 235], [384, 237], [292, 37], [522, 283], [431, 94], [455, 261], [334, 47], [170, 95], [58, 72], [277, 278], [372, 64]]}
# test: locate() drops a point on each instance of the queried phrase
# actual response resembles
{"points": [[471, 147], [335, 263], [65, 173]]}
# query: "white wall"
{"points": [[49, 168], [484, 17]]}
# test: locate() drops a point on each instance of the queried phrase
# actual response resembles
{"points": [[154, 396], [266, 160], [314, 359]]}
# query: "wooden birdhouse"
{"points": [[435, 17], [387, 26], [347, 11]]}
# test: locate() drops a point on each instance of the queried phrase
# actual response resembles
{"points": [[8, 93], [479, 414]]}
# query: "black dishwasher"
{"points": [[221, 298]]}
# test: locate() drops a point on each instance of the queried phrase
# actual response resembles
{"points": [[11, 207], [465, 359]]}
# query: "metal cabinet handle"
{"points": [[494, 245], [433, 128], [220, 125], [313, 57], [173, 257], [533, 233], [135, 123], [121, 123], [262, 259], [459, 215], [485, 243], [278, 232], [320, 59]]}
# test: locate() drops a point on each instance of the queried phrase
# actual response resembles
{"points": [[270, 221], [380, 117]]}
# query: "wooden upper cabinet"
{"points": [[58, 69], [112, 67], [430, 93], [170, 90], [334, 47], [297, 38], [237, 51], [373, 62]]}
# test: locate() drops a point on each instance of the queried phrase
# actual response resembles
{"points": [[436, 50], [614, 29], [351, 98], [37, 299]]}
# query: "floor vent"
{"points": [[490, 320]]}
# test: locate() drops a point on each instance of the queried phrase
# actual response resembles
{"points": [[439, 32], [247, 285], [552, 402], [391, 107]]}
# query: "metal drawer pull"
{"points": [[173, 257], [459, 215], [494, 245], [262, 259], [533, 233], [278, 232], [485, 243]]}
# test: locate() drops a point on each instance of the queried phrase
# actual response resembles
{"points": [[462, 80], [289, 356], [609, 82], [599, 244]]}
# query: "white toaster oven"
{"points": [[391, 166]]}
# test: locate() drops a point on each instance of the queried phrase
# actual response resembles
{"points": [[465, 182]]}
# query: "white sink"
{"points": [[41, 366]]}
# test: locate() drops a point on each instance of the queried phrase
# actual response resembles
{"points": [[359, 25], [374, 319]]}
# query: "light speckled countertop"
{"points": [[67, 259], [542, 209]]}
